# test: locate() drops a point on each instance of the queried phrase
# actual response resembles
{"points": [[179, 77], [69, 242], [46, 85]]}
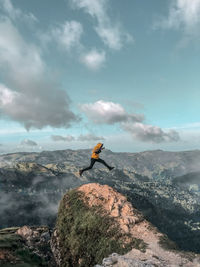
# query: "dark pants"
{"points": [[92, 162]]}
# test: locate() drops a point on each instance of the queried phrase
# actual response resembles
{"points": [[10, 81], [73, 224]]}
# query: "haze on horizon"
{"points": [[77, 72]]}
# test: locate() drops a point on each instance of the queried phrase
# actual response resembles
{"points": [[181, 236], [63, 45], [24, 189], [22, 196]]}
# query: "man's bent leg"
{"points": [[92, 162], [104, 163]]}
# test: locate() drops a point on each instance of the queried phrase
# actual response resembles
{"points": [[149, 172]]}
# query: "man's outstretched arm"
{"points": [[99, 150]]}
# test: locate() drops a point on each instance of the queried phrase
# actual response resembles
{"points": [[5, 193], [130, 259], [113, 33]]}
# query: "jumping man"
{"points": [[95, 157]]}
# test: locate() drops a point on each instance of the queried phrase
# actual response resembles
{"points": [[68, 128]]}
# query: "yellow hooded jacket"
{"points": [[95, 149]]}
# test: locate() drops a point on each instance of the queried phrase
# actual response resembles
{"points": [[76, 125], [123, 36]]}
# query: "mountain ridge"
{"points": [[147, 181]]}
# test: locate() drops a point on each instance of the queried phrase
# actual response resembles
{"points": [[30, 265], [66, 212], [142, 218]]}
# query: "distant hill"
{"points": [[31, 185], [154, 164]]}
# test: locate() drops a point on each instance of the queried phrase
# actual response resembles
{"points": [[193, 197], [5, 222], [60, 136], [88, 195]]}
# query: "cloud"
{"points": [[28, 142], [68, 138], [6, 96], [149, 133], [19, 60], [30, 95], [68, 35], [94, 60], [113, 35], [183, 14], [90, 137], [15, 13], [102, 112]]}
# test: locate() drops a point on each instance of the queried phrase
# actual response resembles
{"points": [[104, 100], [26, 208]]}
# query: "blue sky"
{"points": [[76, 72]]}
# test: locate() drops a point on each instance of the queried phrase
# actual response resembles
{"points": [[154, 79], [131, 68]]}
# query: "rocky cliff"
{"points": [[95, 221]]}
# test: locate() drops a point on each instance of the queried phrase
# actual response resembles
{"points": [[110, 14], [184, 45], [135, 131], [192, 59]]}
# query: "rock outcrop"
{"points": [[77, 212], [96, 226], [114, 203], [38, 240], [94, 221], [26, 246]]}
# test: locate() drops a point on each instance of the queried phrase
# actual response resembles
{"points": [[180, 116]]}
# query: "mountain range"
{"points": [[163, 185]]}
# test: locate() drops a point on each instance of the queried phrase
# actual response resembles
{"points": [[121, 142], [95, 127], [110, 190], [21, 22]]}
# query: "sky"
{"points": [[77, 72]]}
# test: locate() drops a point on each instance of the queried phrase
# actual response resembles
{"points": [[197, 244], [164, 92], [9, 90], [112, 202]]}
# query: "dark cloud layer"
{"points": [[149, 133], [90, 137], [69, 138]]}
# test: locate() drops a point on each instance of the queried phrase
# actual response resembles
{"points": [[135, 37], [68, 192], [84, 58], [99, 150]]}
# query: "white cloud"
{"points": [[29, 95], [28, 142], [15, 13], [113, 35], [108, 113], [68, 35], [67, 138], [94, 59], [102, 112], [150, 133], [95, 8], [183, 14], [6, 96]]}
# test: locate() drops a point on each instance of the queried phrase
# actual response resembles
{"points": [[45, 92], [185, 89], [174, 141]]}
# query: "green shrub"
{"points": [[88, 234], [29, 258], [10, 241]]}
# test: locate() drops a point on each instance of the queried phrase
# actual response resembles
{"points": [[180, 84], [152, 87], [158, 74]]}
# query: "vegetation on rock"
{"points": [[87, 234], [15, 252]]}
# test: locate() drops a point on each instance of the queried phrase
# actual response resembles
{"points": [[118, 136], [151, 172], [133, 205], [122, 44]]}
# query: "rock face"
{"points": [[38, 240], [114, 203], [147, 243]]}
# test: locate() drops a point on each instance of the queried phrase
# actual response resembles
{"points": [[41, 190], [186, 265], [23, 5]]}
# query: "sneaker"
{"points": [[80, 172], [111, 168]]}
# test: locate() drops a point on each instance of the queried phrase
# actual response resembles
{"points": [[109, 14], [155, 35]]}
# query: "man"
{"points": [[95, 157]]}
